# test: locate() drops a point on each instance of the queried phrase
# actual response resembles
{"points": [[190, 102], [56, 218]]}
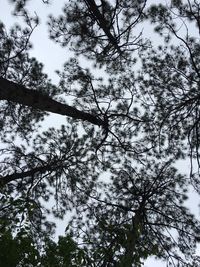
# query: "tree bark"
{"points": [[17, 93], [15, 176], [93, 8], [28, 173]]}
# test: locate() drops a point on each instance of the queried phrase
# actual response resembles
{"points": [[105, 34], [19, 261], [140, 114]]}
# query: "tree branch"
{"points": [[19, 94]]}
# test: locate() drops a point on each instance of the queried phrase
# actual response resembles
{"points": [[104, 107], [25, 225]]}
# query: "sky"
{"points": [[53, 58]]}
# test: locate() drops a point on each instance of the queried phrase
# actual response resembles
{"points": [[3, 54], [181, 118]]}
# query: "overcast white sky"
{"points": [[53, 57]]}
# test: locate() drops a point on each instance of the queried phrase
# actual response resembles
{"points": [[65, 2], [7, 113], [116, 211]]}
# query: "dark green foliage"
{"points": [[140, 214], [17, 251], [114, 175], [100, 31], [22, 250], [16, 65]]}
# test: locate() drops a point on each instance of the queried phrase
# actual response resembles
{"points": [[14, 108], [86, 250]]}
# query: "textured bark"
{"points": [[29, 173], [19, 94], [102, 23]]}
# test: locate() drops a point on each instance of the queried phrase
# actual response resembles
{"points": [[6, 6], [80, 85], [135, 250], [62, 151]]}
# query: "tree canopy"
{"points": [[132, 115]]}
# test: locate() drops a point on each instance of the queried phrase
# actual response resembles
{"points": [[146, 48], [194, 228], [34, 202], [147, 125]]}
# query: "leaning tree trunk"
{"points": [[32, 172], [19, 94], [93, 8]]}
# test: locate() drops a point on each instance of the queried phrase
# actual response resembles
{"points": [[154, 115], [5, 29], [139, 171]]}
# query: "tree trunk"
{"points": [[102, 23], [14, 92], [29, 173]]}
